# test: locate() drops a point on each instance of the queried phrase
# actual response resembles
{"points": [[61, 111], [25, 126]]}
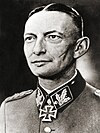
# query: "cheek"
{"points": [[55, 50], [65, 55], [58, 52], [68, 57], [27, 51], [59, 56]]}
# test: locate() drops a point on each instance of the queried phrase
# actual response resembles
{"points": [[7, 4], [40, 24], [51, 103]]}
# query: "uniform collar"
{"points": [[49, 105]]}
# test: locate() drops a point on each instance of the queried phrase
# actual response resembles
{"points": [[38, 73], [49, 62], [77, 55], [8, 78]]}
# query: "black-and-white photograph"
{"points": [[49, 66]]}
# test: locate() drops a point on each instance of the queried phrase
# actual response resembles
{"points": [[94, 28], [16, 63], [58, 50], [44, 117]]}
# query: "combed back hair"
{"points": [[77, 18]]}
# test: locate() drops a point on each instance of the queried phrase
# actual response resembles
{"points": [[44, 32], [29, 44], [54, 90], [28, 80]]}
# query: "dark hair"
{"points": [[77, 18]]}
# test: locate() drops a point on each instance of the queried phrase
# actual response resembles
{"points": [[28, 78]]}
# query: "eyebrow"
{"points": [[29, 34], [48, 32], [53, 31]]}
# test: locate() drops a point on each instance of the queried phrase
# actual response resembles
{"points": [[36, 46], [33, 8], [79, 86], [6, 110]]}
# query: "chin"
{"points": [[42, 74], [47, 74]]}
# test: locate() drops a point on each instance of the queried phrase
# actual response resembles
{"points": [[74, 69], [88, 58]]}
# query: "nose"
{"points": [[39, 47]]}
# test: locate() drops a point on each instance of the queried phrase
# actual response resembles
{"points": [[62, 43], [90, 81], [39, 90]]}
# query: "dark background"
{"points": [[15, 75]]}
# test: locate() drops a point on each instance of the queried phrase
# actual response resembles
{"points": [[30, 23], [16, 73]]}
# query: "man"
{"points": [[63, 102]]}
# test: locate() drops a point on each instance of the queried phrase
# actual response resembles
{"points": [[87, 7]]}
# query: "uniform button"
{"points": [[72, 82], [47, 129], [97, 92]]}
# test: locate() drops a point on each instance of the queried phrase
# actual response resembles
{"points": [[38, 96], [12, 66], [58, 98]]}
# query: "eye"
{"points": [[53, 38], [30, 39]]}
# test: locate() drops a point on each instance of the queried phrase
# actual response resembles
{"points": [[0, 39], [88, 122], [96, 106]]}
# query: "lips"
{"points": [[40, 61]]}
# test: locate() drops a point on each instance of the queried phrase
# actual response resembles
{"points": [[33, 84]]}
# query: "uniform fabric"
{"points": [[20, 114]]}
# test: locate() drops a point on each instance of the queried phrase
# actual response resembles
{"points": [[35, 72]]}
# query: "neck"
{"points": [[52, 82]]}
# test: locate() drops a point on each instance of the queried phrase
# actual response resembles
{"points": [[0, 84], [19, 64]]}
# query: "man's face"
{"points": [[48, 42]]}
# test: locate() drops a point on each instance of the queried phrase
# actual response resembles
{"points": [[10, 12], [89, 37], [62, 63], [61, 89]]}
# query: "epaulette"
{"points": [[17, 96]]}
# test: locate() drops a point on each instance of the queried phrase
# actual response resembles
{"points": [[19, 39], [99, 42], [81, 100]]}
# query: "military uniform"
{"points": [[72, 108]]}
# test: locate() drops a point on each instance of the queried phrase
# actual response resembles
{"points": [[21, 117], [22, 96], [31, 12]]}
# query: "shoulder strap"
{"points": [[17, 96]]}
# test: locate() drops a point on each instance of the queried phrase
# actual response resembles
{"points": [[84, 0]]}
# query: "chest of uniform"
{"points": [[69, 120]]}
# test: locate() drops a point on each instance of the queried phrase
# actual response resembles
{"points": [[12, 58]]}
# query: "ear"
{"points": [[81, 47]]}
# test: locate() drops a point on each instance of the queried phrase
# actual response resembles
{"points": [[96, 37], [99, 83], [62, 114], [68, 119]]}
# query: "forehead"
{"points": [[48, 20]]}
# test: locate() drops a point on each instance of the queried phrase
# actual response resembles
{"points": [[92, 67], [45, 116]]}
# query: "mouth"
{"points": [[40, 62]]}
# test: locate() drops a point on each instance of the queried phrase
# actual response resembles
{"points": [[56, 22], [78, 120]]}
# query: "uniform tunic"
{"points": [[77, 105]]}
